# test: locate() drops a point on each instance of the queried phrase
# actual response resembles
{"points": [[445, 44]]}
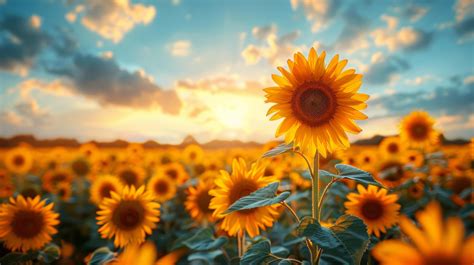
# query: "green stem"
{"points": [[315, 200]]}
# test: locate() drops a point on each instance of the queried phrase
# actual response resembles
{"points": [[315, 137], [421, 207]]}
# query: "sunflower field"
{"points": [[312, 198]]}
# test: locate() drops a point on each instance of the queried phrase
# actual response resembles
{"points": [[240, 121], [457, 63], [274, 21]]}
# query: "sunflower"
{"points": [[366, 160], [103, 186], [318, 103], [437, 242], [63, 190], [417, 190], [197, 201], [162, 187], [298, 180], [416, 130], [80, 166], [375, 207], [89, 150], [193, 154], [27, 224], [128, 216], [131, 175], [391, 147], [391, 173], [174, 171], [231, 187], [413, 158], [137, 254], [52, 178], [19, 160]]}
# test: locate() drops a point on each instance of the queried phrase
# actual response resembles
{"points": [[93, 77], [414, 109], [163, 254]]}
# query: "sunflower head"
{"points": [[128, 216], [89, 150], [162, 187], [27, 223], [52, 178], [413, 158], [19, 160], [391, 173], [198, 200], [193, 154], [391, 147], [230, 188], [103, 186], [416, 130], [174, 171], [375, 207], [317, 102], [131, 175], [81, 167]]}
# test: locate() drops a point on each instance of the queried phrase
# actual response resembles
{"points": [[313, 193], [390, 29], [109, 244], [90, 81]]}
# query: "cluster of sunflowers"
{"points": [[310, 200]]}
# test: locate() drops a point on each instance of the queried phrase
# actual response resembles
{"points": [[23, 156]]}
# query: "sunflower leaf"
{"points": [[259, 253], [204, 240], [259, 198], [280, 149], [101, 256], [49, 253], [350, 172], [343, 243]]}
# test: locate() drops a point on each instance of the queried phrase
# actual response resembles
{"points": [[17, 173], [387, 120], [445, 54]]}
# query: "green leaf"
{"points": [[350, 172], [259, 198], [17, 258], [205, 257], [49, 253], [101, 256], [343, 243], [204, 240], [280, 149]]}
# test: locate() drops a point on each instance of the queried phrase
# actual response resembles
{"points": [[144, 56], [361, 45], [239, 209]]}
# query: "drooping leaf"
{"points": [[343, 243], [101, 256], [259, 198], [280, 149], [257, 253], [350, 172], [204, 240]]}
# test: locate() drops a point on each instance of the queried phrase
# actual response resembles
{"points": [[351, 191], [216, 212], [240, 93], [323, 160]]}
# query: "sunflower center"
{"points": [[393, 148], [106, 190], [193, 155], [372, 209], [172, 173], [203, 200], [165, 160], [419, 131], [80, 167], [57, 178], [268, 172], [242, 189], [27, 224], [128, 215], [313, 104], [161, 187], [367, 159], [18, 160], [129, 177], [391, 171], [459, 184]]}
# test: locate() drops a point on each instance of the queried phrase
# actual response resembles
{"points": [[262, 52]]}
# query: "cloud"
{"points": [[420, 80], [353, 33], [23, 42], [468, 80], [25, 114], [104, 81], [320, 12], [112, 19], [412, 12], [465, 29], [180, 48], [405, 38], [220, 83], [384, 69], [275, 49], [463, 9]]}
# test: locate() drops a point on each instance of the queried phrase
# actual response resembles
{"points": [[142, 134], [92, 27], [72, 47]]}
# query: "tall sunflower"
{"points": [[128, 216], [19, 160], [198, 200], [416, 130], [391, 147], [193, 154], [231, 187], [131, 175], [174, 171], [103, 186], [161, 187], [318, 103], [375, 207], [27, 223], [438, 241]]}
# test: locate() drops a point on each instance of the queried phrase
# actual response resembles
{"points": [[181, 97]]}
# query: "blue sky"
{"points": [[104, 69]]}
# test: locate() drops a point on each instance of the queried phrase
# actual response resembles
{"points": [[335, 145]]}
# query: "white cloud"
{"points": [[469, 80], [320, 12], [420, 80], [463, 9], [112, 19], [181, 48]]}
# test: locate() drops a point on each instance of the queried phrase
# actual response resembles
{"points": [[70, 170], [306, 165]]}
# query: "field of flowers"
{"points": [[312, 199]]}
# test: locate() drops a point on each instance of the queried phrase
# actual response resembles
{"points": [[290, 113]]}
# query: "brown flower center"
{"points": [[419, 131], [27, 224], [268, 172], [372, 209], [128, 215], [203, 200], [313, 104], [242, 189], [129, 177], [393, 148], [161, 187], [172, 173], [80, 167], [18, 160], [106, 189], [192, 155]]}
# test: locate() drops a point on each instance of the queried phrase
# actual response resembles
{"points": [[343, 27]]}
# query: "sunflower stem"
{"points": [[315, 200]]}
